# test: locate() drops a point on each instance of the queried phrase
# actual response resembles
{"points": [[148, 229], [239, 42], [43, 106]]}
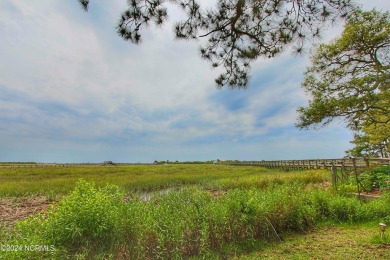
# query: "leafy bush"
{"points": [[87, 215], [376, 179], [83, 221]]}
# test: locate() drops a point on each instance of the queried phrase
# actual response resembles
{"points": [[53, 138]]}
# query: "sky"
{"points": [[73, 91]]}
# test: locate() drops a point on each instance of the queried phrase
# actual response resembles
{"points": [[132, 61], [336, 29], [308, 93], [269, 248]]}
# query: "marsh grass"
{"points": [[56, 181]]}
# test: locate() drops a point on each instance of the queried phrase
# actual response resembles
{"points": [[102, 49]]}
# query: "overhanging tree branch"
{"points": [[255, 28]]}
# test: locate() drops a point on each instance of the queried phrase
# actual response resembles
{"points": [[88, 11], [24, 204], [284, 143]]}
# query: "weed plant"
{"points": [[381, 239], [99, 222]]}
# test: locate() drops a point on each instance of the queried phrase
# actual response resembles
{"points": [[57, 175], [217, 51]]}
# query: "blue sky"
{"points": [[71, 90]]}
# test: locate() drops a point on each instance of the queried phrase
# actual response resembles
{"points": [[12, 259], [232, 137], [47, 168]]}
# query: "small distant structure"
{"points": [[218, 161], [108, 163]]}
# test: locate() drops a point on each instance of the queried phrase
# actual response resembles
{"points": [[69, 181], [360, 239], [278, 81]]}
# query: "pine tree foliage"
{"points": [[350, 77], [237, 31], [372, 139]]}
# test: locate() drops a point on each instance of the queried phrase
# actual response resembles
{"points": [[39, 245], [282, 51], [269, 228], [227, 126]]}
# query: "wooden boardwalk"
{"points": [[344, 163]]}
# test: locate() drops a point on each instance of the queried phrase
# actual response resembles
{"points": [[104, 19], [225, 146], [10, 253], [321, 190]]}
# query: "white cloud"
{"points": [[67, 79]]}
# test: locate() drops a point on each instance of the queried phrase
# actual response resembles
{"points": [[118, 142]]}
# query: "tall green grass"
{"points": [[99, 222]]}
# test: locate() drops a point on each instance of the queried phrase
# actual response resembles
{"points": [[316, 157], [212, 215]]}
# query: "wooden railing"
{"points": [[344, 163]]}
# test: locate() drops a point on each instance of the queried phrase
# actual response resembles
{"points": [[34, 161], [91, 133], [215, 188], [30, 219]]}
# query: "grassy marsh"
{"points": [[212, 212], [16, 182]]}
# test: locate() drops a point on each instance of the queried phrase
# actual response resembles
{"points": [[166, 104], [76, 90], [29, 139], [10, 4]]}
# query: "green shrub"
{"points": [[87, 215], [82, 222], [376, 179]]}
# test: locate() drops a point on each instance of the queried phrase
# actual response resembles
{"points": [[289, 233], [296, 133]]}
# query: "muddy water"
{"points": [[147, 196]]}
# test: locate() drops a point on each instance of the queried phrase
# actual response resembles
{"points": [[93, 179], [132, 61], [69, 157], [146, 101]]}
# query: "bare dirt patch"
{"points": [[14, 209], [217, 193]]}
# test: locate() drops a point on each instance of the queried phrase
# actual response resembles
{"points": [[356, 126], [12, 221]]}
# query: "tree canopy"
{"points": [[373, 140], [237, 31], [350, 78]]}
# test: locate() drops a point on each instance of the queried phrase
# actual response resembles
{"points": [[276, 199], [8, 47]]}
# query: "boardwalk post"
{"points": [[356, 174], [367, 163], [343, 173], [333, 172]]}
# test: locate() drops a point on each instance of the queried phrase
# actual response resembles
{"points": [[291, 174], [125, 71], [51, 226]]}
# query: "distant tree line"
{"points": [[183, 162], [18, 163]]}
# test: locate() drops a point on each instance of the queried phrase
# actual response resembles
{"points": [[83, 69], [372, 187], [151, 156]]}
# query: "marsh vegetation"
{"points": [[204, 211]]}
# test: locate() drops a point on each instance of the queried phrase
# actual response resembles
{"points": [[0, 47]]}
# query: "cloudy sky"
{"points": [[71, 90]]}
